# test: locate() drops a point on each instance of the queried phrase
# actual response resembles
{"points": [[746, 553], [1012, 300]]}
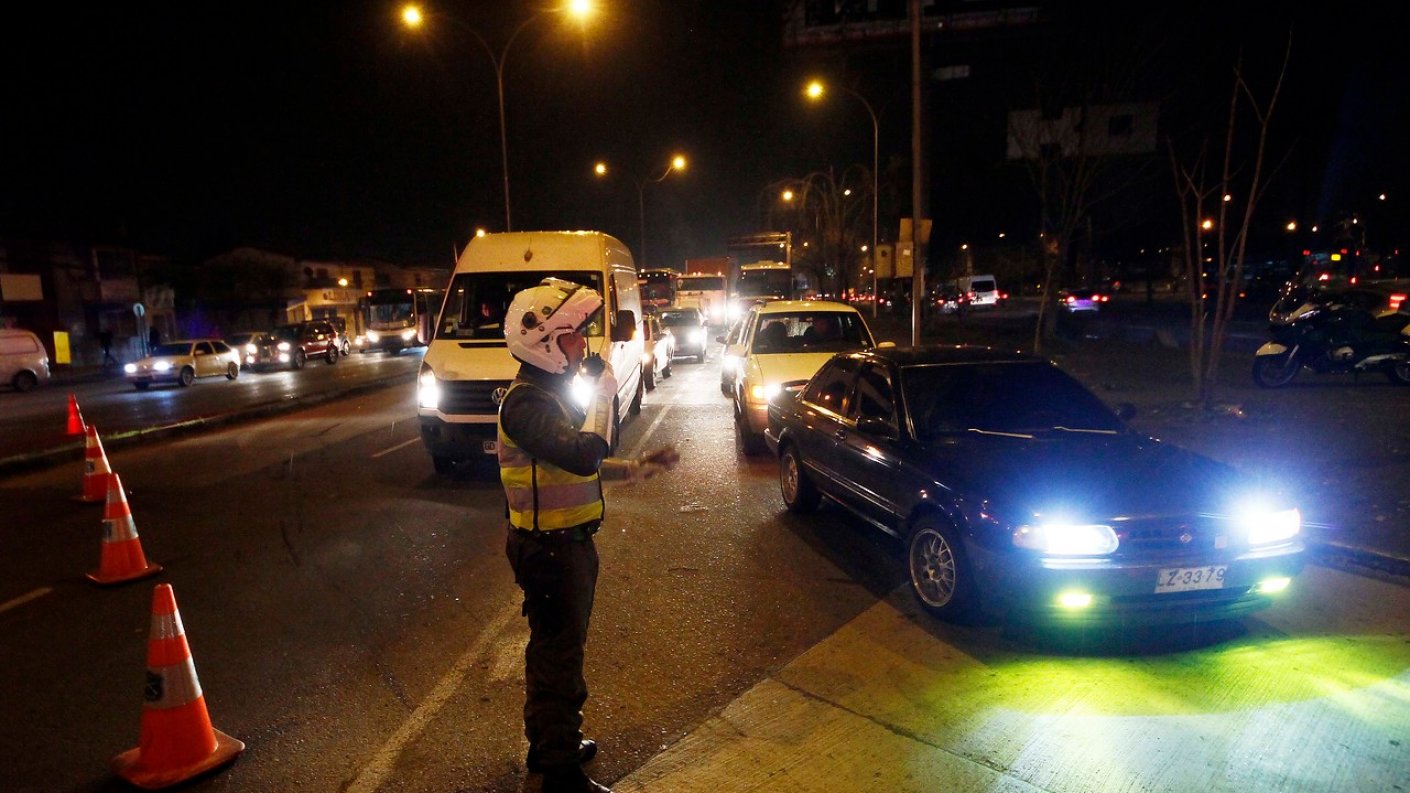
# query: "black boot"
{"points": [[570, 779], [586, 751]]}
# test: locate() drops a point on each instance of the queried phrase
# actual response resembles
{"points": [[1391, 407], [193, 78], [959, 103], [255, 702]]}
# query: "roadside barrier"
{"points": [[96, 470], [122, 559], [76, 425], [177, 740]]}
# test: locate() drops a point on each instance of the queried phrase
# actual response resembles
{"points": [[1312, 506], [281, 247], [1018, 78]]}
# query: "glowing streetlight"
{"points": [[1228, 198], [815, 91], [600, 169], [480, 232], [414, 18], [1292, 225], [787, 195], [1207, 224]]}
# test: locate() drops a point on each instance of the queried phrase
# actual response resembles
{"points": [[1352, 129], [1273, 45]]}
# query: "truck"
{"points": [[768, 280], [705, 286]]}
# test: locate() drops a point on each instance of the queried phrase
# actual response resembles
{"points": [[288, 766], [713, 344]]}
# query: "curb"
{"points": [[64, 454], [1361, 561]]}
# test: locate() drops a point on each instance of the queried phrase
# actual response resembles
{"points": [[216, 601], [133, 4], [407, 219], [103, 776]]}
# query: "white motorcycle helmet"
{"points": [[538, 315]]}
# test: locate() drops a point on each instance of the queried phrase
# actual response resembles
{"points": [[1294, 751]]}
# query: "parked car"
{"points": [[344, 344], [181, 362], [1074, 301], [691, 330], [788, 340], [24, 363], [1017, 491], [660, 348]]}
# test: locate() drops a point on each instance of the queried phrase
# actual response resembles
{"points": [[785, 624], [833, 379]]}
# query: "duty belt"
{"points": [[558, 536]]}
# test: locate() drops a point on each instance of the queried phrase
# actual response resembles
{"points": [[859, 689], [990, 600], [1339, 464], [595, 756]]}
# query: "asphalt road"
{"points": [[352, 619]]}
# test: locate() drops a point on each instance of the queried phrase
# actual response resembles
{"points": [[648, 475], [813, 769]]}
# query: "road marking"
{"points": [[636, 449], [375, 455], [384, 760], [25, 598]]}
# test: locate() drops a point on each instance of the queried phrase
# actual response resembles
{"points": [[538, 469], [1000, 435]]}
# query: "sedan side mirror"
{"points": [[877, 428]]}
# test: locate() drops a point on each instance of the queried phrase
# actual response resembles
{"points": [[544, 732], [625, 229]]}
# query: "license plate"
{"points": [[1185, 579], [490, 447]]}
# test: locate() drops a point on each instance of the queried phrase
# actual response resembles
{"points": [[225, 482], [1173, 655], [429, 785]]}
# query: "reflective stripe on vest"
{"points": [[542, 496]]}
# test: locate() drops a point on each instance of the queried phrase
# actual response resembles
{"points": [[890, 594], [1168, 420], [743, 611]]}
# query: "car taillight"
{"points": [[1396, 299], [1071, 299]]}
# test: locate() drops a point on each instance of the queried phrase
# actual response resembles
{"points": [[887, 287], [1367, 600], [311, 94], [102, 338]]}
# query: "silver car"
{"points": [[181, 362]]}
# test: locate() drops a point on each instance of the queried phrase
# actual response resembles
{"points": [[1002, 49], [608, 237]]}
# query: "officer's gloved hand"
{"points": [[599, 410], [652, 463]]}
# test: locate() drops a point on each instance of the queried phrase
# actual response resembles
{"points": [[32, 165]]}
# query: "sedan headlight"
{"points": [[373, 336], [428, 391], [1266, 526], [408, 334], [251, 349], [130, 368], [763, 393], [1067, 539], [161, 366], [283, 346]]}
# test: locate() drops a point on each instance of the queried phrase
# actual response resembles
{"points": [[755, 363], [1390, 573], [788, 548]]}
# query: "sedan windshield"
{"points": [[1018, 398], [810, 331], [171, 350]]}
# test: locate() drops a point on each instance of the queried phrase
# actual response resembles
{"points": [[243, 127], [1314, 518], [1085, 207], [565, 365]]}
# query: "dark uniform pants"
{"points": [[559, 578]]}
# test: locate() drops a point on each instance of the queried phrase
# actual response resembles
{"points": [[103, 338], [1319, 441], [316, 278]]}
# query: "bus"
{"points": [[395, 318], [760, 280], [658, 289]]}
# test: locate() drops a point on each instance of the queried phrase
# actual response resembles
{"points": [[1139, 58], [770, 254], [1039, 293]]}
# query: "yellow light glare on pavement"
{"points": [[411, 16]]}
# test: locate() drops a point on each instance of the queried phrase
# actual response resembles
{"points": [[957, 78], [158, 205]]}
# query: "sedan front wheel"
{"points": [[799, 494], [940, 574]]}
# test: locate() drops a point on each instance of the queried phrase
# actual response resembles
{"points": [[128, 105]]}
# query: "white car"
{"points": [[181, 362], [787, 341], [24, 363]]}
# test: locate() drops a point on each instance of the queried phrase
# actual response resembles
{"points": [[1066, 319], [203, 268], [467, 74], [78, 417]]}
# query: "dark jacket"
{"points": [[533, 419]]}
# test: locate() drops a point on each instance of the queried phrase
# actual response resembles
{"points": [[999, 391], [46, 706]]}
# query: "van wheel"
{"points": [[24, 381], [666, 373], [635, 407], [650, 377]]}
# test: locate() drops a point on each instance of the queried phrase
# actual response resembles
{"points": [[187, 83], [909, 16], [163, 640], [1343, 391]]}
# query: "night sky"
{"points": [[325, 130]]}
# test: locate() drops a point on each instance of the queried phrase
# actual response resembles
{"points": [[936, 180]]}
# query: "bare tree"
{"points": [[1215, 247], [831, 213]]}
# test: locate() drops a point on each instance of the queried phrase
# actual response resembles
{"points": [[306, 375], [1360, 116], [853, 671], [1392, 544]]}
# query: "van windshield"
{"points": [[477, 302]]}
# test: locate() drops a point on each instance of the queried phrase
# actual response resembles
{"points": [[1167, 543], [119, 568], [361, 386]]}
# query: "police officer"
{"points": [[553, 456]]}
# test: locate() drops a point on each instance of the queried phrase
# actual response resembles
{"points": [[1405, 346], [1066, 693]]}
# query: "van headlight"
{"points": [[428, 390], [1067, 539], [697, 336]]}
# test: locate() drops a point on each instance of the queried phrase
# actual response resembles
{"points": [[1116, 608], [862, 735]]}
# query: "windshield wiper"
{"points": [[1086, 430], [1001, 434]]}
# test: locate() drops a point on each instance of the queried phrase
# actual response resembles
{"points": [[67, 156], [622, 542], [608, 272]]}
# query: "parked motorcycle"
{"points": [[1330, 333]]}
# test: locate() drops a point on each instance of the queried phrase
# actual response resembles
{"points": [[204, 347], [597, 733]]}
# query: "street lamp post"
{"points": [[413, 17], [815, 91]]}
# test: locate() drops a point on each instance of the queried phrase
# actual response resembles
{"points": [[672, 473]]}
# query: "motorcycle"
{"points": [[1331, 333]]}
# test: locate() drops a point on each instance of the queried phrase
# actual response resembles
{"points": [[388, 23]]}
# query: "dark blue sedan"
{"points": [[1017, 491]]}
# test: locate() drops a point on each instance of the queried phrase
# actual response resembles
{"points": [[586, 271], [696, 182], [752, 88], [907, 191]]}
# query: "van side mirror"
{"points": [[625, 326]]}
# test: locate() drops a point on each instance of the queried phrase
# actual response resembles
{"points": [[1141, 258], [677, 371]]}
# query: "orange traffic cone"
{"points": [[96, 470], [178, 741], [122, 559], [76, 425]]}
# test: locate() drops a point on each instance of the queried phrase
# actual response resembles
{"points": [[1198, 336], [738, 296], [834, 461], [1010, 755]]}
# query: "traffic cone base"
{"points": [[122, 559], [129, 766]]}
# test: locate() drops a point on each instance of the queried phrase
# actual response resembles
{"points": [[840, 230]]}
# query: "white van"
{"points": [[980, 289], [467, 369], [24, 363]]}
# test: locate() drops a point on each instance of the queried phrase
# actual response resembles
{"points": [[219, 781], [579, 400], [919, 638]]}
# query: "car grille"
{"points": [[1167, 535], [475, 397]]}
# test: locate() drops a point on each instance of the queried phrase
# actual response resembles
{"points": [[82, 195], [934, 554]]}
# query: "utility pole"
{"points": [[918, 209]]}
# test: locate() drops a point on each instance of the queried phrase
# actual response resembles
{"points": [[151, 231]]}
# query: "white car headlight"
{"points": [[373, 336], [763, 393], [1266, 526], [428, 391], [251, 348], [161, 366], [283, 346], [697, 336], [408, 334], [1067, 539], [130, 368]]}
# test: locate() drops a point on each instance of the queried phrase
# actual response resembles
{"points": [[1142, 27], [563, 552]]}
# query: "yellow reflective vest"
{"points": [[540, 495]]}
